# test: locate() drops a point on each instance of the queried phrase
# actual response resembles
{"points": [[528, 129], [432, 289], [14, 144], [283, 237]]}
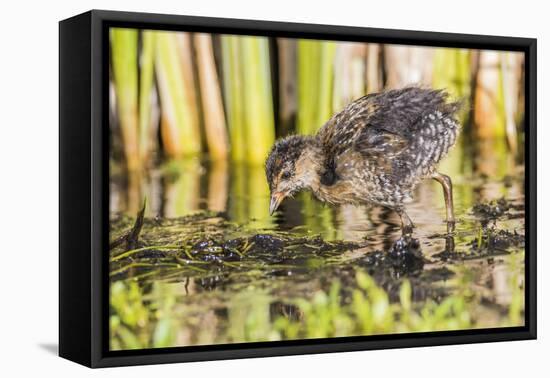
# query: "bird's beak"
{"points": [[276, 199]]}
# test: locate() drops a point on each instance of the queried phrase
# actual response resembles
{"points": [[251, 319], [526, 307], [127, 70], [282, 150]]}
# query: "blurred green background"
{"points": [[177, 94]]}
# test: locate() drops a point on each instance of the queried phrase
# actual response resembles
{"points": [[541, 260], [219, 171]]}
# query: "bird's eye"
{"points": [[286, 175]]}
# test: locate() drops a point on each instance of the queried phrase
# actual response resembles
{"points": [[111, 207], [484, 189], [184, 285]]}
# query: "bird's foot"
{"points": [[449, 244], [406, 251]]}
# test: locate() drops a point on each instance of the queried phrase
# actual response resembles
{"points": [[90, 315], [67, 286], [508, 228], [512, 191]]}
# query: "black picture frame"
{"points": [[83, 182]]}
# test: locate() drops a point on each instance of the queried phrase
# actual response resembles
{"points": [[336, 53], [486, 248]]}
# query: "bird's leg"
{"points": [[447, 185], [449, 244], [406, 222]]}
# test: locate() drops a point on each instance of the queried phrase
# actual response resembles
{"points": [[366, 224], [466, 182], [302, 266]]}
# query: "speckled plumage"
{"points": [[376, 150]]}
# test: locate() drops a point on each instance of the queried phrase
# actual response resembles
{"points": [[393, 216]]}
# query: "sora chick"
{"points": [[375, 151]]}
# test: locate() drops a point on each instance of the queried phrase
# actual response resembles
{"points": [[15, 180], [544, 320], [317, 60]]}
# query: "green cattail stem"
{"points": [[260, 124], [146, 91], [124, 58], [213, 114], [179, 129], [233, 95]]}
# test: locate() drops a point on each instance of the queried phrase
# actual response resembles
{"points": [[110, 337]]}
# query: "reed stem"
{"points": [[146, 93], [124, 48], [213, 114], [260, 125], [315, 78], [179, 128], [233, 88]]}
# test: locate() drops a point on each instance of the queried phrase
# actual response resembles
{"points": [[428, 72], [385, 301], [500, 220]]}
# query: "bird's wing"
{"points": [[382, 125], [363, 127], [387, 123], [400, 111], [378, 143]]}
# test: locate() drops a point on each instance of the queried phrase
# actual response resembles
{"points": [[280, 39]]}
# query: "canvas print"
{"points": [[267, 189]]}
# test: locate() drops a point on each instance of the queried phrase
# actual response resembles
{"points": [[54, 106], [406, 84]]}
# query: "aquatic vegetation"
{"points": [[179, 120], [257, 97], [124, 47], [214, 118], [156, 319], [204, 278], [225, 90], [193, 117], [148, 114], [315, 63], [371, 312], [248, 97], [232, 80]]}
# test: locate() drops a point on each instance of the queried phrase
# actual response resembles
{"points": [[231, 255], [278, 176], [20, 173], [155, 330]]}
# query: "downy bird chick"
{"points": [[375, 151]]}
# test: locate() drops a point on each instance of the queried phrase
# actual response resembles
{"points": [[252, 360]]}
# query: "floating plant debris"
{"points": [[208, 266]]}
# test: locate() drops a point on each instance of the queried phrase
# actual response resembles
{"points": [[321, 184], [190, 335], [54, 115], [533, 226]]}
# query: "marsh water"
{"points": [[208, 265]]}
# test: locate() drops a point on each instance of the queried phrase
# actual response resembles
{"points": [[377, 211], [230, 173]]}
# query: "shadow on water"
{"points": [[211, 265]]}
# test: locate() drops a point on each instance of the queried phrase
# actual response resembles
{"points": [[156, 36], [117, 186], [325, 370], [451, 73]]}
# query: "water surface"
{"points": [[211, 266]]}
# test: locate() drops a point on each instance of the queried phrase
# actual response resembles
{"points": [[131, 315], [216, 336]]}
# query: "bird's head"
{"points": [[292, 165]]}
